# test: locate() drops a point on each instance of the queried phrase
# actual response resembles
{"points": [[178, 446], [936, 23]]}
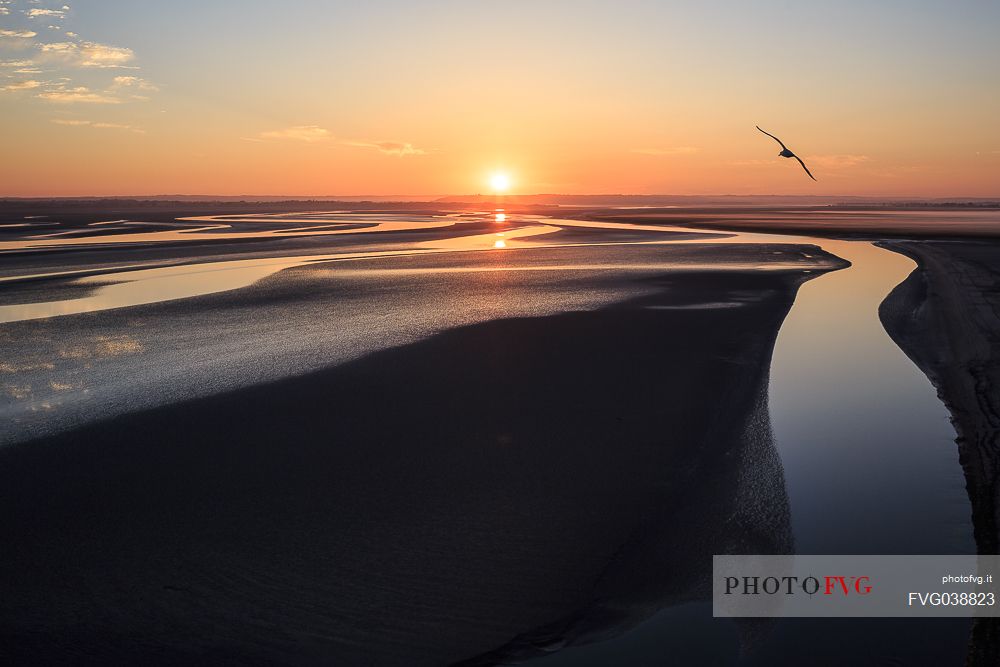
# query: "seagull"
{"points": [[787, 153]]}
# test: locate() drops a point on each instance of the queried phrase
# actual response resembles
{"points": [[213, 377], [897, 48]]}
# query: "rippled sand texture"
{"points": [[421, 505], [484, 437], [946, 317]]}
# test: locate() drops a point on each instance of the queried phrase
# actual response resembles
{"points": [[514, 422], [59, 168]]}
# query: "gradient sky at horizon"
{"points": [[392, 97]]}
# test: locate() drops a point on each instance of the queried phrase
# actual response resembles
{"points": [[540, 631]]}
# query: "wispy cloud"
{"points": [[35, 56], [98, 125], [752, 163], [35, 13], [22, 85], [305, 133], [672, 150], [88, 54], [394, 148], [79, 94], [18, 34], [314, 134], [902, 171], [836, 161], [133, 82]]}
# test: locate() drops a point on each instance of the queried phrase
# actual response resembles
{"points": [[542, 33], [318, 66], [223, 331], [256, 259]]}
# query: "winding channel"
{"points": [[868, 452], [848, 409]]}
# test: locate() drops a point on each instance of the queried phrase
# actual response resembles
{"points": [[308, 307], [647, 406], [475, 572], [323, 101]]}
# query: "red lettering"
{"points": [[841, 584], [831, 584]]}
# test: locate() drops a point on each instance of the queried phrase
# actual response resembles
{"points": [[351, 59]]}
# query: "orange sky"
{"points": [[118, 97]]}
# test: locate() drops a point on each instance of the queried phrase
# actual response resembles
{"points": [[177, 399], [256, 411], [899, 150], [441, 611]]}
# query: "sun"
{"points": [[500, 181]]}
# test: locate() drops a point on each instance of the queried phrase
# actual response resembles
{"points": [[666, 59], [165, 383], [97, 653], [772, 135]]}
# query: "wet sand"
{"points": [[484, 454], [155, 325], [856, 222], [946, 317], [422, 505]]}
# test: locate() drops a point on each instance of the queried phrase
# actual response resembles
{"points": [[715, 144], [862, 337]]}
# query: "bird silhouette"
{"points": [[787, 153]]}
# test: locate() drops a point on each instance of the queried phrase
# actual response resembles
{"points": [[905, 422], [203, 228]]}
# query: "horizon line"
{"points": [[406, 198]]}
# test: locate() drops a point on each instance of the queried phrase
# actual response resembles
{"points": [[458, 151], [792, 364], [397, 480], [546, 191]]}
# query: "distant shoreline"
{"points": [[597, 200]]}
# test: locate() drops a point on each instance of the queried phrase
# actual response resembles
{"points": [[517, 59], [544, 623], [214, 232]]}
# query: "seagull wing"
{"points": [[772, 136], [804, 167]]}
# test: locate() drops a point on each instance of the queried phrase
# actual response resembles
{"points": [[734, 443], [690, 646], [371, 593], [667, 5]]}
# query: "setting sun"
{"points": [[500, 181], [495, 334]]}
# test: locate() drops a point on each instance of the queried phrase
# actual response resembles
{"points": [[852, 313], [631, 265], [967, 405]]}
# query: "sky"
{"points": [[132, 97]]}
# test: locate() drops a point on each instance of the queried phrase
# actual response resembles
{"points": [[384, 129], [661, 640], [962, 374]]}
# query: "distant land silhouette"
{"points": [[541, 199]]}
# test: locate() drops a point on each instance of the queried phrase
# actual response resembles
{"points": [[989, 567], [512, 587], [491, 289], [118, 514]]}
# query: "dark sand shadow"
{"points": [[520, 484], [946, 317]]}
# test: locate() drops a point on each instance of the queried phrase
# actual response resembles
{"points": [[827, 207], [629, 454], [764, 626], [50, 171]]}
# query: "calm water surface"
{"points": [[869, 459], [870, 467]]}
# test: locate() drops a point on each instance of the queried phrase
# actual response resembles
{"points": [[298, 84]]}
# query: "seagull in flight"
{"points": [[787, 153]]}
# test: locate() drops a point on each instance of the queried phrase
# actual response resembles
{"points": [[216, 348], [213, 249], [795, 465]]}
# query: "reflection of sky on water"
{"points": [[851, 412], [221, 230], [448, 279], [870, 466], [862, 392], [145, 286], [868, 454]]}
